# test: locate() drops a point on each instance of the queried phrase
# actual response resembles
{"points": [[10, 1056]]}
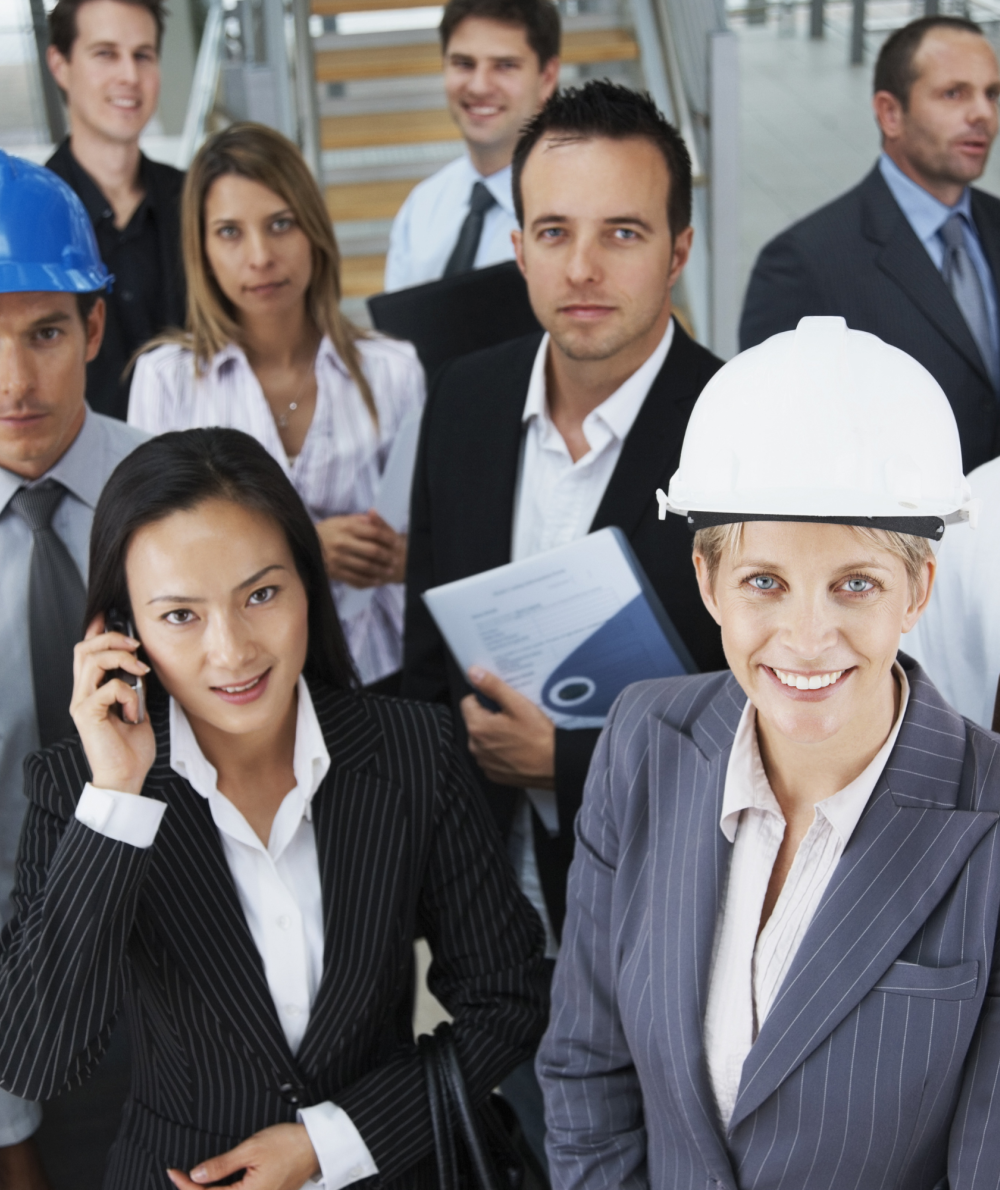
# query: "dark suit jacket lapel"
{"points": [[905, 853], [650, 452], [492, 460], [902, 257], [362, 845], [191, 881], [690, 862], [989, 233]]}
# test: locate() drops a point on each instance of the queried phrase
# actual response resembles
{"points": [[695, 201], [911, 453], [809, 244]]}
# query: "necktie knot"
{"points": [[481, 199], [952, 232], [36, 506]]}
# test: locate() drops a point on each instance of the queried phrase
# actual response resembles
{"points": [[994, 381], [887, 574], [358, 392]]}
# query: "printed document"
{"points": [[569, 628]]}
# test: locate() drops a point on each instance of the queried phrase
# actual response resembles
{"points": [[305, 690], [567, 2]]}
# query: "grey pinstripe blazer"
{"points": [[406, 847], [879, 1064]]}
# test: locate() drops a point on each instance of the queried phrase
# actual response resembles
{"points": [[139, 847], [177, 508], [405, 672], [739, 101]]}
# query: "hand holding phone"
{"points": [[108, 705], [114, 621]]}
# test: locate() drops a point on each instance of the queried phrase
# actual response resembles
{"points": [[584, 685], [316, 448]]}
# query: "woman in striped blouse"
{"points": [[268, 351]]}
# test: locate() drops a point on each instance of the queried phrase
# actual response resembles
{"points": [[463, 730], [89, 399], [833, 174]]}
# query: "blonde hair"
{"points": [[911, 550], [261, 155]]}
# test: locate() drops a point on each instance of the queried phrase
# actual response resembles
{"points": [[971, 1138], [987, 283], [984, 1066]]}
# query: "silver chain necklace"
{"points": [[282, 418]]}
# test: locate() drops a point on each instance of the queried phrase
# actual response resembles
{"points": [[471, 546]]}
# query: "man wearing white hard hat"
{"points": [[778, 961]]}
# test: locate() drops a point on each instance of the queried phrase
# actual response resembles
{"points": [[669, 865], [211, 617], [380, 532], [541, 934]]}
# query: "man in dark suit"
{"points": [[105, 56], [535, 443], [913, 253]]}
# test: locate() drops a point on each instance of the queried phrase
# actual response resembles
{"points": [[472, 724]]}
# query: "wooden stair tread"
{"points": [[367, 200], [387, 128], [397, 61], [332, 8], [361, 276]]}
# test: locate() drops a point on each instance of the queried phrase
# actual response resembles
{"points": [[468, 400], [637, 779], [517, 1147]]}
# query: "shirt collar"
{"points": [[234, 355], [498, 184], [747, 785], [925, 214], [619, 411], [91, 195], [75, 470], [310, 762]]}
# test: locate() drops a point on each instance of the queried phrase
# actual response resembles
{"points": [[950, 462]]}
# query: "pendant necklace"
{"points": [[282, 419]]}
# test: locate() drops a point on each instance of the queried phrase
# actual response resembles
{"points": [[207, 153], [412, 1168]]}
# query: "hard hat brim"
{"points": [[47, 278]]}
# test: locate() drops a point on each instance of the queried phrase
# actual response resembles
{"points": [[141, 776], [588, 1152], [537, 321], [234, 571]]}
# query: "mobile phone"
{"points": [[114, 621]]}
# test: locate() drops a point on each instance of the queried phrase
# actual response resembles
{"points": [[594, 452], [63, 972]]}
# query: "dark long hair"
{"points": [[178, 471]]}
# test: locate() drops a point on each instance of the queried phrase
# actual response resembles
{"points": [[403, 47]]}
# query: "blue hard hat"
{"points": [[47, 242]]}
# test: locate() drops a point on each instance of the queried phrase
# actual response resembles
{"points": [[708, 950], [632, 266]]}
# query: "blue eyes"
{"points": [[853, 586]]}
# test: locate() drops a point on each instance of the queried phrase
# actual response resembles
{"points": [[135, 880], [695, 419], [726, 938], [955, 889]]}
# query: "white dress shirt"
{"points": [[279, 889], [555, 503], [338, 469], [957, 639], [425, 230], [747, 971]]}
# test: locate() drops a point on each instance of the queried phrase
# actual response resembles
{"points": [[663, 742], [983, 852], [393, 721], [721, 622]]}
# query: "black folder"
{"points": [[456, 315]]}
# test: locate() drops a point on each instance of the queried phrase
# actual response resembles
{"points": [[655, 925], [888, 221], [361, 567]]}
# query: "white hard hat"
{"points": [[822, 423]]}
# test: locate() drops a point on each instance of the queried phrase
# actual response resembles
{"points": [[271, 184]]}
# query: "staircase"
{"points": [[383, 121]]}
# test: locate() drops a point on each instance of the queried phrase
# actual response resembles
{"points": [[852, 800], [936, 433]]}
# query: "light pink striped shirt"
{"points": [[338, 469]]}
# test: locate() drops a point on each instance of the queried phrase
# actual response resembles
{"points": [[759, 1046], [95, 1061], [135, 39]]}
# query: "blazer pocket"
{"points": [[937, 983]]}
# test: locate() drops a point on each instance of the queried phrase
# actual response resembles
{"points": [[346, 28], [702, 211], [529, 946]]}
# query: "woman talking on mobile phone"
{"points": [[267, 350], [243, 872]]}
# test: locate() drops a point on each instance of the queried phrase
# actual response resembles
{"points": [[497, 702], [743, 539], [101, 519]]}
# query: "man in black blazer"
{"points": [[541, 440], [106, 59], [912, 254]]}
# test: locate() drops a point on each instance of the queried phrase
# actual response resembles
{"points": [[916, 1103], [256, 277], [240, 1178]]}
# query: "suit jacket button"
{"points": [[290, 1094]]}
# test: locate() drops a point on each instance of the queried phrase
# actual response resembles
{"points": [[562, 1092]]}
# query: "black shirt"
{"points": [[148, 291]]}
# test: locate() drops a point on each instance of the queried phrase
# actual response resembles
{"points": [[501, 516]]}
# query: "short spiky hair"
{"points": [[538, 18], [63, 30], [894, 70], [604, 109]]}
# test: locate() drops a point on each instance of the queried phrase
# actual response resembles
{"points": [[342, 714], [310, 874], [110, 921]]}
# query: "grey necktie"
{"points": [[463, 255], [56, 600], [962, 279]]}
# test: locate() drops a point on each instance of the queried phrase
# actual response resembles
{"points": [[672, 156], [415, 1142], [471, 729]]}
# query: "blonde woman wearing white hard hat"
{"points": [[778, 960]]}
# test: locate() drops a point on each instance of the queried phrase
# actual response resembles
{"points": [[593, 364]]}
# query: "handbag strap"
{"points": [[444, 1140], [452, 1113]]}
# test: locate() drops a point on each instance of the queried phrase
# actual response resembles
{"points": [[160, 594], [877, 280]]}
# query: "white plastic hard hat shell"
{"points": [[822, 421]]}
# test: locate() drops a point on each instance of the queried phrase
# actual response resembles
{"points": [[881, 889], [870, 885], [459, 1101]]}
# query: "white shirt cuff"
{"points": [[124, 817], [19, 1119], [343, 1156]]}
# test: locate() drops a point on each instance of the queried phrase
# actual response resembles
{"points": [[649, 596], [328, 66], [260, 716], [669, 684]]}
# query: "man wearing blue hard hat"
{"points": [[55, 456]]}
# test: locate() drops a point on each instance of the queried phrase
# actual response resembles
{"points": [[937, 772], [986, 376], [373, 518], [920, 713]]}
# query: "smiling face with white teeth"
{"points": [[494, 84], [223, 617], [811, 618], [112, 75]]}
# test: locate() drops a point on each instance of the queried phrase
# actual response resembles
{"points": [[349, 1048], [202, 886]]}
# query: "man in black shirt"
{"points": [[104, 55]]}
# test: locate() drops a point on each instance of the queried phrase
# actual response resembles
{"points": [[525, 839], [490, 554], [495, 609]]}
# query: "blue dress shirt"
{"points": [[927, 215], [83, 470]]}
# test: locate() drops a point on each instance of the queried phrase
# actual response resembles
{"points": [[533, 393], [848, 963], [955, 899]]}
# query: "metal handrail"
{"points": [[204, 84]]}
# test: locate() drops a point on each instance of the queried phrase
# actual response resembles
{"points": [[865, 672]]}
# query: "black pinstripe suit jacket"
{"points": [[878, 1066], [859, 257], [406, 848]]}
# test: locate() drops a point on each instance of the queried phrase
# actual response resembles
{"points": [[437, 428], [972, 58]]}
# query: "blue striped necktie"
{"points": [[962, 279]]}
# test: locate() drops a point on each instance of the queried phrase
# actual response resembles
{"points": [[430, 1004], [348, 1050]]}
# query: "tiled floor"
{"points": [[806, 129]]}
